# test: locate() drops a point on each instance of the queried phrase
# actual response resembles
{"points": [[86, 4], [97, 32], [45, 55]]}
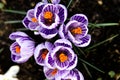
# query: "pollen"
{"points": [[48, 15], [76, 30], [54, 72], [34, 20], [44, 53], [17, 49], [63, 57]]}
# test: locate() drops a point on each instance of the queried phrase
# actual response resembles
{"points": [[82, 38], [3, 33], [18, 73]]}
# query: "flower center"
{"points": [[63, 57], [48, 15], [76, 30], [54, 72], [17, 49], [34, 20], [44, 53]]}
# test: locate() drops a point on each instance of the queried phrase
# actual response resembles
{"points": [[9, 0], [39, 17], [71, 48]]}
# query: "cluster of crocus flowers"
{"points": [[57, 57]]}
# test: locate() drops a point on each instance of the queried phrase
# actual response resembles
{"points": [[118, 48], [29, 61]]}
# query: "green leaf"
{"points": [[69, 3], [91, 65], [87, 70], [102, 42], [13, 22], [102, 25], [15, 11], [99, 78], [111, 74]]}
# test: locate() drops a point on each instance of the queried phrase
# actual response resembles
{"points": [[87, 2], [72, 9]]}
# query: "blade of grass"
{"points": [[13, 22], [91, 65], [102, 25], [1, 50], [22, 29], [15, 11], [102, 42], [69, 3], [87, 70]]}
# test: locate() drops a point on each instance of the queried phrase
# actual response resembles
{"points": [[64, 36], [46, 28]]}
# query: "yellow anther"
{"points": [[63, 57]]}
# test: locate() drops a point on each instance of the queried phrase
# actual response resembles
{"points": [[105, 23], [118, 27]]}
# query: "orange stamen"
{"points": [[63, 57], [17, 49], [77, 30], [48, 15], [34, 20], [54, 72], [44, 53]]}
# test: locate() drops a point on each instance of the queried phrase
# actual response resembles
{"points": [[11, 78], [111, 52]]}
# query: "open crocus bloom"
{"points": [[76, 30], [51, 74], [23, 47], [62, 56], [41, 51], [49, 17], [73, 75], [30, 21]]}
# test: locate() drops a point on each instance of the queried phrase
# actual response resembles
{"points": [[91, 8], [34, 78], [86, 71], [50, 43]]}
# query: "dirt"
{"points": [[105, 56]]}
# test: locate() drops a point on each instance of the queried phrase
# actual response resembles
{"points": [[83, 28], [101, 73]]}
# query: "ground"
{"points": [[105, 56]]}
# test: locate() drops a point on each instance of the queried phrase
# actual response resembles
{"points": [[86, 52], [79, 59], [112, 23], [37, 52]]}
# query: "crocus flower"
{"points": [[30, 21], [49, 17], [73, 75], [51, 74], [23, 47], [41, 51], [62, 56], [76, 30], [52, 1]]}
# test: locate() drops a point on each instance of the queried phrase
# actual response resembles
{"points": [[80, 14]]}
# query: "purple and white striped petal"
{"points": [[63, 42], [73, 63], [73, 75], [30, 14], [18, 58], [62, 32], [51, 74], [80, 18], [83, 42], [62, 13], [48, 33], [41, 52], [49, 61], [18, 34], [33, 26], [26, 22], [38, 9]]}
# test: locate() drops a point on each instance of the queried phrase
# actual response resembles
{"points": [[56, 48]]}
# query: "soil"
{"points": [[106, 56]]}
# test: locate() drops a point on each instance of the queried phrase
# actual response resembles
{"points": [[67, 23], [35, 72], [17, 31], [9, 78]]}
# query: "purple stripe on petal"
{"points": [[62, 13], [33, 26], [62, 65], [48, 31], [63, 42], [38, 9], [62, 32], [25, 22], [85, 41], [30, 14], [18, 34], [80, 18], [51, 8], [73, 63]]}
